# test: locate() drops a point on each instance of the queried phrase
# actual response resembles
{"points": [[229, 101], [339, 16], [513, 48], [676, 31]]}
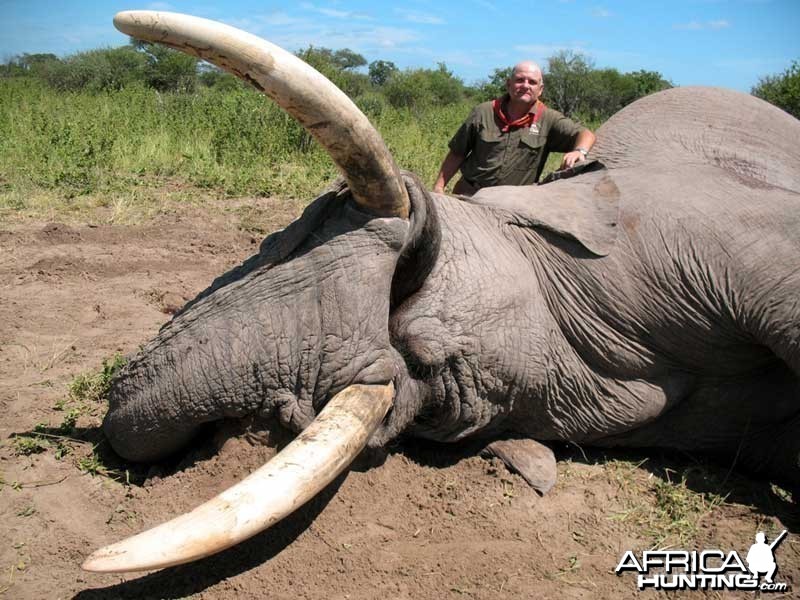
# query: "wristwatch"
{"points": [[583, 151]]}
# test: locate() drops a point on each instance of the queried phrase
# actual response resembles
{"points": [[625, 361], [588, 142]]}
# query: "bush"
{"points": [[494, 87], [214, 77], [339, 67], [418, 88], [380, 71], [27, 64], [782, 90], [168, 70], [96, 70]]}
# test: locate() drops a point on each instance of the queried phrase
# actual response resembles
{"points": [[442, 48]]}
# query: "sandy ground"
{"points": [[423, 522]]}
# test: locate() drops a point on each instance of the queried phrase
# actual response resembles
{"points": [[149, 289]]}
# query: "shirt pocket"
{"points": [[487, 150], [532, 143], [529, 150]]}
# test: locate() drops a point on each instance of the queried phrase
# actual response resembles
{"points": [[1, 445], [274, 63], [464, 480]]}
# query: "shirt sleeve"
{"points": [[463, 141], [563, 133]]}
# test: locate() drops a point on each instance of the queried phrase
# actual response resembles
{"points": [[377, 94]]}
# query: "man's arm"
{"points": [[585, 141], [449, 167]]}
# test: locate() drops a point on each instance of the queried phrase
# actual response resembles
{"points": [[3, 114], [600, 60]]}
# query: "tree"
{"points": [[416, 88], [338, 66], [346, 59], [168, 70], [566, 83], [28, 64], [494, 87], [649, 82], [782, 90], [380, 71], [96, 70], [213, 77]]}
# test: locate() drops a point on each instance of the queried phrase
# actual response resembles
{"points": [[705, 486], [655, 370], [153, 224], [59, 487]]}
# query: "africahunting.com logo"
{"points": [[707, 569]]}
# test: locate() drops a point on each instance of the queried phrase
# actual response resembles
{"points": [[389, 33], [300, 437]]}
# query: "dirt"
{"points": [[423, 521]]}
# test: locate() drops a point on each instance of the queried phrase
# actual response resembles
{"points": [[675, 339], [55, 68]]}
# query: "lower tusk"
{"points": [[301, 470]]}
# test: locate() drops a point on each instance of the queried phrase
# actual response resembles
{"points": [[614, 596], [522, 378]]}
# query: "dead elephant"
{"points": [[651, 302]]}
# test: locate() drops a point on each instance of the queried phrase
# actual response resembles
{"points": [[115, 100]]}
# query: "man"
{"points": [[506, 141]]}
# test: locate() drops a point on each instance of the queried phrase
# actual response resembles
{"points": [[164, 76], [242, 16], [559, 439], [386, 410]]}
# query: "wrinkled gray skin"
{"points": [[655, 303]]}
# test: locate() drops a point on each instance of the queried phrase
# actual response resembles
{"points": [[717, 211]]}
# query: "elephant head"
{"points": [[299, 331]]}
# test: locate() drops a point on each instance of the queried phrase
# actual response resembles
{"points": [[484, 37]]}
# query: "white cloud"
{"points": [[485, 4], [601, 13], [335, 13], [546, 50], [690, 26], [698, 26], [417, 17]]}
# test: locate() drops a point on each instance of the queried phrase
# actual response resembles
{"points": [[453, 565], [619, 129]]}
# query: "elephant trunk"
{"points": [[200, 368]]}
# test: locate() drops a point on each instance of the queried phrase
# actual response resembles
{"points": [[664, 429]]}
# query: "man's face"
{"points": [[525, 85]]}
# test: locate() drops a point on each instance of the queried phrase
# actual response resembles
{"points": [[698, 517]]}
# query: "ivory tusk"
{"points": [[303, 468], [322, 108]]}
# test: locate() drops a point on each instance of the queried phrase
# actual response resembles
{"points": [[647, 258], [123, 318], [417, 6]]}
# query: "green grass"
{"points": [[93, 386], [85, 397], [665, 510], [25, 445], [129, 151]]}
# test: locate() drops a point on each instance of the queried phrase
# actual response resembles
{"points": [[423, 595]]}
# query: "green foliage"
{"points": [[371, 104], [338, 66], [167, 70], [92, 387], [214, 77], [25, 445], [494, 87], [28, 64], [347, 59], [344, 59], [96, 70], [419, 88], [567, 81], [782, 90], [380, 71], [573, 86]]}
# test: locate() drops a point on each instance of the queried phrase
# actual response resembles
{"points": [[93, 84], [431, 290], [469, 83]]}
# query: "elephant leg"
{"points": [[774, 318]]}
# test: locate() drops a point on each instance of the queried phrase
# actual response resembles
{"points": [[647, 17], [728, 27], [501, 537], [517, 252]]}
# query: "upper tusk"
{"points": [[322, 108], [303, 468]]}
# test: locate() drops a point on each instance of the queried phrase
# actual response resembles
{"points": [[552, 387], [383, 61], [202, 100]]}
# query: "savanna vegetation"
{"points": [[782, 90], [111, 125]]}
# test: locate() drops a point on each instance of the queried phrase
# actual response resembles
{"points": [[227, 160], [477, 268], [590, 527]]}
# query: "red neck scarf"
{"points": [[526, 120]]}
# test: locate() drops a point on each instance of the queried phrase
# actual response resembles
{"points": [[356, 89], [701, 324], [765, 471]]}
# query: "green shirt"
{"points": [[513, 158]]}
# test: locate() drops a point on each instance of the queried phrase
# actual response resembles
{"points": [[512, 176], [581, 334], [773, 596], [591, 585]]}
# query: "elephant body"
{"points": [[653, 302]]}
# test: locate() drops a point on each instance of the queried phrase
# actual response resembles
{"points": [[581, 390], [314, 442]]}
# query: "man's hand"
{"points": [[570, 158]]}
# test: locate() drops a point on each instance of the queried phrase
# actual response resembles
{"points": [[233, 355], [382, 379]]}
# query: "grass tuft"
{"points": [[93, 386]]}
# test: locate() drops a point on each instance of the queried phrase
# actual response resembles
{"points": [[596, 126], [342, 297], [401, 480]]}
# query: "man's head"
{"points": [[525, 83]]}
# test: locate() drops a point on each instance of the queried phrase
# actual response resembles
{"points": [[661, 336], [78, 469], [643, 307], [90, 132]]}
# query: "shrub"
{"points": [[96, 70], [782, 90], [380, 71], [418, 88]]}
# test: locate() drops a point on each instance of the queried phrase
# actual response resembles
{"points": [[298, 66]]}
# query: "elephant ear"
{"points": [[584, 208]]}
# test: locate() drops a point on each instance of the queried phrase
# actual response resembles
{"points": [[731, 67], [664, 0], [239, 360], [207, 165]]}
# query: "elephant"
{"points": [[652, 300]]}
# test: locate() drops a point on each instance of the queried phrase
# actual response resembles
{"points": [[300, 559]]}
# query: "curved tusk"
{"points": [[322, 108], [303, 468]]}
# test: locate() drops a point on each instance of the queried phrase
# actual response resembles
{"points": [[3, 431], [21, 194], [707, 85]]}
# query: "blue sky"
{"points": [[729, 43]]}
